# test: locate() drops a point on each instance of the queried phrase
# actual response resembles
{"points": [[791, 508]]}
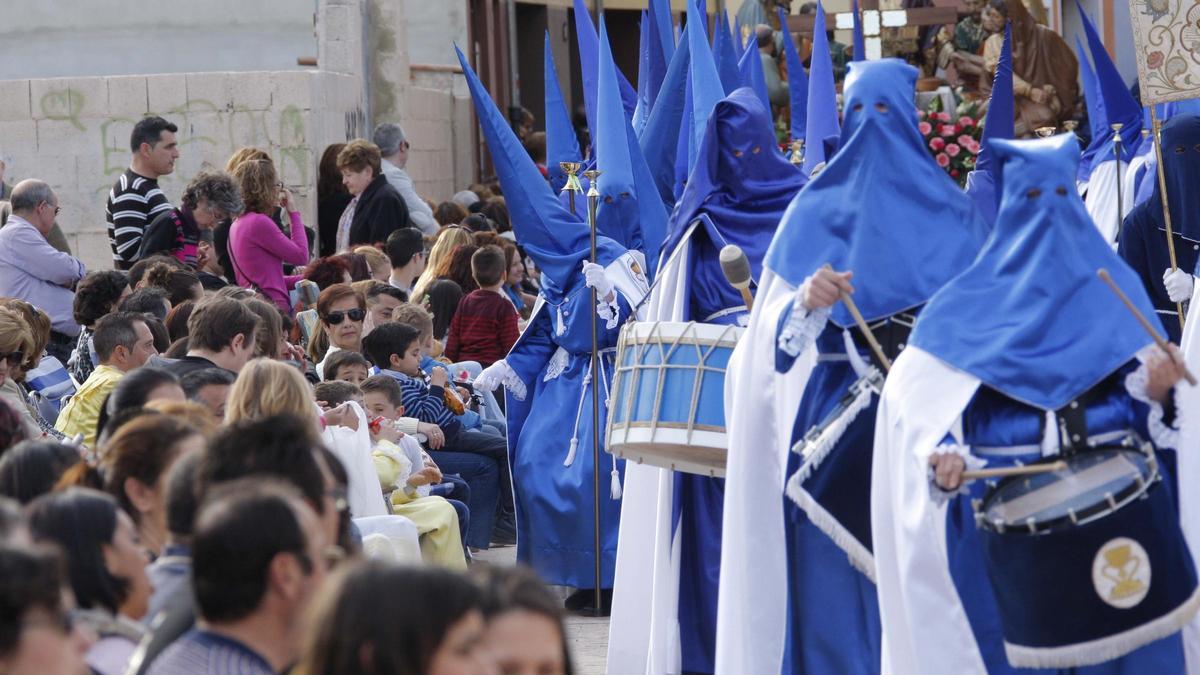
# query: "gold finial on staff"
{"points": [[1044, 132], [1071, 125], [797, 156], [573, 186]]}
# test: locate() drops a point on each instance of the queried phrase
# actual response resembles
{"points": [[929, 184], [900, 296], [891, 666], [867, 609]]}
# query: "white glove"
{"points": [[492, 377], [1178, 284], [596, 277]]}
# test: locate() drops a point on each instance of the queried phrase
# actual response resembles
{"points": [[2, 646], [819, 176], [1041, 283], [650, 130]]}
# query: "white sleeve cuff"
{"points": [[802, 328], [1161, 434], [609, 310], [513, 383]]}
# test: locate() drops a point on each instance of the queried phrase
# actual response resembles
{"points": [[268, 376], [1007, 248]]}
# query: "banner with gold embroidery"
{"points": [[1167, 40]]}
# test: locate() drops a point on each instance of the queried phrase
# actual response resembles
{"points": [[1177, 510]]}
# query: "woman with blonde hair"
{"points": [[268, 387], [447, 242], [377, 262], [257, 249]]}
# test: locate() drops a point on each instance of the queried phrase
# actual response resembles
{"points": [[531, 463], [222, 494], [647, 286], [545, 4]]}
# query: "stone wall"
{"points": [[74, 132]]}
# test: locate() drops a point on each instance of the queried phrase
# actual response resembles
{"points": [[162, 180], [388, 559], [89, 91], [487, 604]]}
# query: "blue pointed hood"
{"points": [[860, 43], [984, 183], [1119, 104], [684, 142], [797, 81], [665, 122], [704, 80], [753, 77], [557, 241], [918, 229], [740, 184], [1097, 118], [642, 111], [723, 52], [1180, 137], [589, 47], [631, 211], [1023, 317], [822, 115], [562, 145], [662, 26]]}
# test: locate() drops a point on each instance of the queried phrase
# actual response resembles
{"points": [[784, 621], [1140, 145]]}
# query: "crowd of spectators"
{"points": [[251, 440]]}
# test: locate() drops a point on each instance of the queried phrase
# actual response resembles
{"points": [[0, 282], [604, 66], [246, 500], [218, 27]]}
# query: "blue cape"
{"points": [[1181, 163], [740, 181], [1030, 318], [881, 208]]}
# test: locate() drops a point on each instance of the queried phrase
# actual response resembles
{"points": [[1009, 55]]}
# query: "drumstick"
{"points": [[1158, 339], [862, 326], [1002, 472]]}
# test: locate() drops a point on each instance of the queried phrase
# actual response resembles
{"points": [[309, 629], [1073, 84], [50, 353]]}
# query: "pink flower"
{"points": [[965, 121], [943, 160], [953, 150], [1154, 60], [924, 128], [947, 130], [944, 116], [965, 141], [937, 144], [921, 114]]}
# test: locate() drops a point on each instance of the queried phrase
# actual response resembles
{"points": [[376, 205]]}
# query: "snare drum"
{"points": [[1087, 563], [668, 395]]}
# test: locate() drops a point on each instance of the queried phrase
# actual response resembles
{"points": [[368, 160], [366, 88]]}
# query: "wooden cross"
{"points": [[874, 20]]}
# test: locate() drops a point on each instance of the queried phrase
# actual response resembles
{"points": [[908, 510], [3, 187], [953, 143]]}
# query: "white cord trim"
{"points": [[802, 328], [1162, 435], [859, 556], [1107, 648]]}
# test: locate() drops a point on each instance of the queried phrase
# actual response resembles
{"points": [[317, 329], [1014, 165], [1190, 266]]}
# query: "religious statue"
{"points": [[962, 50], [1045, 70]]}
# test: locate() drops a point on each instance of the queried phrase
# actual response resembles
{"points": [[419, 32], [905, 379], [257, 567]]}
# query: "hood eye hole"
{"points": [[1060, 191], [858, 107], [1179, 149], [756, 150], [1033, 193], [881, 107], [1197, 147], [738, 153]]}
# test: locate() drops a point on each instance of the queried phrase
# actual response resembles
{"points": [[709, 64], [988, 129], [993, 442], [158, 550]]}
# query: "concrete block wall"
{"points": [[74, 133]]}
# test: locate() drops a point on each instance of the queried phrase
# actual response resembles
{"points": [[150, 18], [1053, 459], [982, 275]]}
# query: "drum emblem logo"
{"points": [[1121, 573]]}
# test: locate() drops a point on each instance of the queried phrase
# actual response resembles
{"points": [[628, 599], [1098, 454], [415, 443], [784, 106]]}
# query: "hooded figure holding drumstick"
{"points": [[1027, 358]]}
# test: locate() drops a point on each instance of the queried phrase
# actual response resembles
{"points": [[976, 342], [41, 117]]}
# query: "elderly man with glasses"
{"points": [[34, 271], [394, 146]]}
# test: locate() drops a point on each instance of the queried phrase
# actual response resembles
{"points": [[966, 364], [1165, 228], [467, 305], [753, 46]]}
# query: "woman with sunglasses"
{"points": [[341, 311]]}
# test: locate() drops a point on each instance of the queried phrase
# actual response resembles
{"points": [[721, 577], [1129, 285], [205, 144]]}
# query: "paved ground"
{"points": [[588, 636]]}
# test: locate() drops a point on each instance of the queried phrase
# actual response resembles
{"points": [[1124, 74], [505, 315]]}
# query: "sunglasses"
{"points": [[334, 318], [12, 358]]}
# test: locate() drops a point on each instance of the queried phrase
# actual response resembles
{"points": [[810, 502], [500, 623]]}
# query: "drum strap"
{"points": [[1072, 418], [892, 334]]}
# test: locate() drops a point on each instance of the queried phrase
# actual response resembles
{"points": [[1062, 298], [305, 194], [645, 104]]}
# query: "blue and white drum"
{"points": [[1087, 563], [668, 395]]}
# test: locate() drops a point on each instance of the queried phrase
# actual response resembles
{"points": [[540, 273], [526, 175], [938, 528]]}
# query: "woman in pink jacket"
{"points": [[257, 247]]}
